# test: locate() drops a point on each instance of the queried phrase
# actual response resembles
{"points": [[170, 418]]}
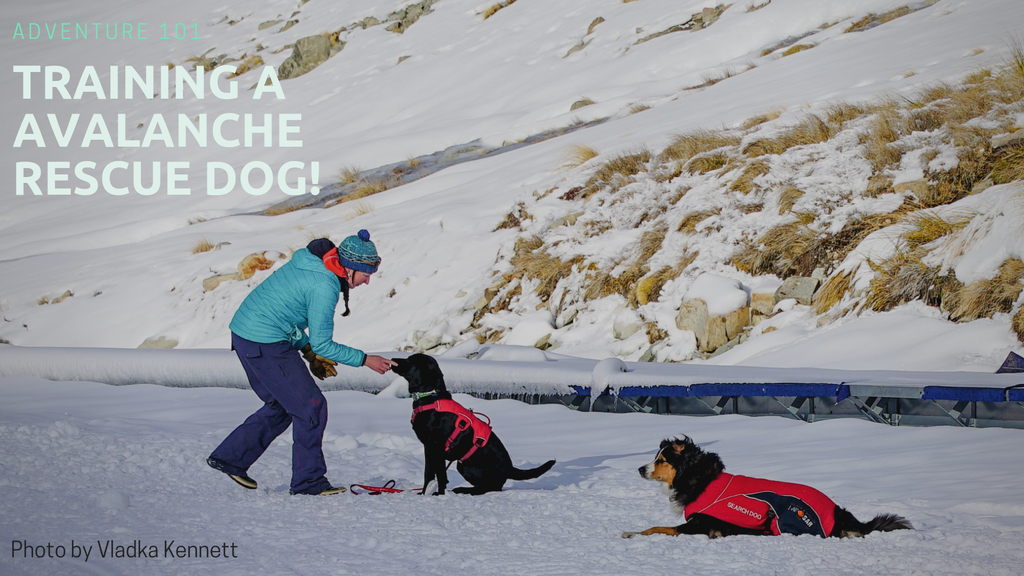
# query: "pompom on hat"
{"points": [[357, 252]]}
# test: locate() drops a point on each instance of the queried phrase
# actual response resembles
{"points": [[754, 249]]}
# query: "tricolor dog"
{"points": [[449, 431], [716, 504]]}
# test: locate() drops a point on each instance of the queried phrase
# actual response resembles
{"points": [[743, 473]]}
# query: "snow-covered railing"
{"points": [[494, 369]]}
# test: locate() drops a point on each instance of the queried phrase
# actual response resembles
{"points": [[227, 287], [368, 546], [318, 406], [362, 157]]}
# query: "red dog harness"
{"points": [[464, 419], [755, 503]]}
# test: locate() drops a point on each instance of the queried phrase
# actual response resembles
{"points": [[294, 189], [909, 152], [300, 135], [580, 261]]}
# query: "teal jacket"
{"points": [[300, 295]]}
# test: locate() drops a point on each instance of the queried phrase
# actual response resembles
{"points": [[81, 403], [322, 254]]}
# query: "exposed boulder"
{"points": [[799, 288], [308, 53]]}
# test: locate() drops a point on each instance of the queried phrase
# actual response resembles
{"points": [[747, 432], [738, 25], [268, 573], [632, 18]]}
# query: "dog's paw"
{"points": [[629, 534]]}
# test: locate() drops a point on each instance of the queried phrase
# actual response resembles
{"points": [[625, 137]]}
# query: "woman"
{"points": [[268, 332]]}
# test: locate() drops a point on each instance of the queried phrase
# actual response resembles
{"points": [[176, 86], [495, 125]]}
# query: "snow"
{"points": [[89, 462]]}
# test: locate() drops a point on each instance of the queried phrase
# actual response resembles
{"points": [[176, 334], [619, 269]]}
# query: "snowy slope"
{"points": [[127, 259]]}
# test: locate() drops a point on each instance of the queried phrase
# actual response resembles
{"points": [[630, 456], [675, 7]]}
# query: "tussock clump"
{"points": [[840, 113], [602, 283], [617, 171], [984, 298], [531, 260], [1008, 166], [247, 64], [832, 291], [812, 130], [648, 289], [872, 20], [686, 146], [689, 223], [744, 184], [788, 198], [494, 8], [1017, 324], [577, 155], [707, 163], [878, 147], [638, 108], [975, 163], [783, 251], [368, 188], [798, 48], [202, 245], [761, 119], [930, 227], [349, 174], [905, 278], [514, 218], [281, 208]]}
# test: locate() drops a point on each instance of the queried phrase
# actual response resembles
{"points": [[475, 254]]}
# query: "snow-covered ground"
{"points": [[91, 463]]}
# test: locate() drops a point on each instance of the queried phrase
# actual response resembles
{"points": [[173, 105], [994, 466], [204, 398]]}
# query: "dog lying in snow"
{"points": [[718, 504], [449, 431]]}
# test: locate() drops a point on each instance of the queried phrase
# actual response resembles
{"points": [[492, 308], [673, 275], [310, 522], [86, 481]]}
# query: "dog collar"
{"points": [[422, 395]]}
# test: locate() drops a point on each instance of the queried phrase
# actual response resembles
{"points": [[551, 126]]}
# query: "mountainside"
{"points": [[629, 178]]}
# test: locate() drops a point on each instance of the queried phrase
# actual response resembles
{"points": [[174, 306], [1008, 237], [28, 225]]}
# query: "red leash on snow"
{"points": [[387, 488]]}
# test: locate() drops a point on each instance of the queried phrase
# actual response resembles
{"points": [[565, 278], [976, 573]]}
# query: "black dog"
{"points": [[718, 504], [450, 432]]}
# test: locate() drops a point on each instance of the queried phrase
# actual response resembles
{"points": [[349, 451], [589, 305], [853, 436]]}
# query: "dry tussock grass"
{"points": [[247, 64], [707, 163], [840, 113], [984, 298], [798, 48], [686, 146], [368, 188], [577, 155], [689, 223], [1017, 324], [784, 251], [930, 227], [788, 198], [872, 20], [602, 283], [832, 291], [905, 278], [202, 245], [532, 260], [349, 174], [1008, 166], [744, 183], [648, 289], [494, 8], [638, 108], [811, 130], [878, 147], [615, 173], [279, 209], [974, 164], [761, 119]]}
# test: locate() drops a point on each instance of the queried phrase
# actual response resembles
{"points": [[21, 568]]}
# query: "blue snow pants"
{"points": [[279, 377]]}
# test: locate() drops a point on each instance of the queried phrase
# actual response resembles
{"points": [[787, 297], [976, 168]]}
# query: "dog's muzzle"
{"points": [[645, 471]]}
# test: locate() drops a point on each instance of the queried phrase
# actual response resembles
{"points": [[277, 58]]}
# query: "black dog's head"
{"points": [[684, 468], [422, 373]]}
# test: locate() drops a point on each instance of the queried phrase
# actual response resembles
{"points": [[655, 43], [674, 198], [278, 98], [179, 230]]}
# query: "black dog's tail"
{"points": [[847, 525], [517, 474]]}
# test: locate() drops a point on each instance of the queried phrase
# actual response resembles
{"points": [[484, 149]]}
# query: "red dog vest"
{"points": [[780, 507], [465, 419]]}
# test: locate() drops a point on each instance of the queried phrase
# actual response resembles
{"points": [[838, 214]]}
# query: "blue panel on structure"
{"points": [[838, 391], [964, 394]]}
